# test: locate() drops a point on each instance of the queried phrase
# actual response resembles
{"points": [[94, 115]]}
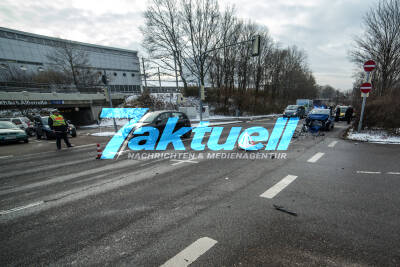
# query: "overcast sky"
{"points": [[323, 28]]}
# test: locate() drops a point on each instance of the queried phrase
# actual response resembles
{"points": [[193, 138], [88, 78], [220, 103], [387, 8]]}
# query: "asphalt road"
{"points": [[338, 205]]}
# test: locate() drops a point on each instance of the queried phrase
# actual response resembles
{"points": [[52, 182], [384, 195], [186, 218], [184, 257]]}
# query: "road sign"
{"points": [[366, 87], [369, 65]]}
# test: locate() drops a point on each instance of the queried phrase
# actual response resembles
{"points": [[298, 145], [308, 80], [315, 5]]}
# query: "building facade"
{"points": [[30, 52]]}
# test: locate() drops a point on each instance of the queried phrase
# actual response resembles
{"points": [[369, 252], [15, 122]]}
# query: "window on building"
{"points": [[133, 74], [124, 74], [115, 74]]}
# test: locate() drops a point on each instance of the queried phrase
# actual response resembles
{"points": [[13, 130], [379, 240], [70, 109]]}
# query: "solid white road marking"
{"points": [[316, 157], [333, 144], [393, 173], [191, 253], [84, 145], [368, 172], [6, 157], [273, 191], [178, 161], [3, 212]]}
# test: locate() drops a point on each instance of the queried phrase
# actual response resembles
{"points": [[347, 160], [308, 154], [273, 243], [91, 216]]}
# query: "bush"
{"points": [[381, 112]]}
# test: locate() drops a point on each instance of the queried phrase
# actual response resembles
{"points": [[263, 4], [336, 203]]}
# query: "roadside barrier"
{"points": [[99, 152]]}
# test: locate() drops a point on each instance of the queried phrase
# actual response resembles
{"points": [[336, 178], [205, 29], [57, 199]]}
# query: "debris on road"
{"points": [[280, 208]]}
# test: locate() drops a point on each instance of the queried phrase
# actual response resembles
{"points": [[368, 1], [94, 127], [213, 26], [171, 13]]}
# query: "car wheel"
{"points": [[73, 134], [38, 136], [46, 136], [26, 140]]}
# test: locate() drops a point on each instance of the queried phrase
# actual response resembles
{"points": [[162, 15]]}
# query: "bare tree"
{"points": [[163, 37], [200, 19], [381, 42], [74, 63]]}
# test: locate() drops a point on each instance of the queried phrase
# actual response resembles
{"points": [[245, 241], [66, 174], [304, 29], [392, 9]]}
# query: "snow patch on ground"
{"points": [[374, 136]]}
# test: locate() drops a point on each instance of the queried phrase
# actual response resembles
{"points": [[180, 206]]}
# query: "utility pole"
{"points": [[200, 88], [144, 74], [105, 81]]}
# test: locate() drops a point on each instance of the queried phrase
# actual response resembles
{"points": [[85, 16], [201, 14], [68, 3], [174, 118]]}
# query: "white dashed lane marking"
{"points": [[333, 143], [3, 212], [368, 172], [191, 253], [177, 161], [273, 191], [316, 157], [375, 172]]}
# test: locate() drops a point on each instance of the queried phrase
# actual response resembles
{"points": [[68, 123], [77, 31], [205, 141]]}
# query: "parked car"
{"points": [[342, 112], [10, 132], [158, 119], [294, 111], [43, 129], [23, 123], [320, 118]]}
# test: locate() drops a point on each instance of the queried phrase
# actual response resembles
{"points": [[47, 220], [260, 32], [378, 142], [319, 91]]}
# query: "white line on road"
{"points": [[394, 173], [316, 157], [3, 212], [84, 145], [273, 191], [333, 144], [191, 253], [368, 172], [6, 157], [182, 161]]}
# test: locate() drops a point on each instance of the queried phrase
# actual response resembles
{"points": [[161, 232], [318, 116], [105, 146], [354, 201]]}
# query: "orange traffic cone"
{"points": [[99, 152]]}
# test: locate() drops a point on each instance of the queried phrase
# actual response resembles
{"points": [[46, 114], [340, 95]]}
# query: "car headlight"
{"points": [[47, 127]]}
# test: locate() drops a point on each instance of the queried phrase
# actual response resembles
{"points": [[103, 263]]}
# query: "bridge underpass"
{"points": [[79, 108]]}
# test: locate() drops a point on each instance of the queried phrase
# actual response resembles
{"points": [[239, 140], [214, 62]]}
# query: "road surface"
{"points": [[330, 202]]}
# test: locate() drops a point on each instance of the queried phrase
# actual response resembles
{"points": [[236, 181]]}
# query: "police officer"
{"points": [[349, 114], [60, 127]]}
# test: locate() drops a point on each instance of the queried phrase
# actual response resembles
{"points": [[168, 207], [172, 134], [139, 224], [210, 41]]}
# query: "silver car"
{"points": [[10, 132]]}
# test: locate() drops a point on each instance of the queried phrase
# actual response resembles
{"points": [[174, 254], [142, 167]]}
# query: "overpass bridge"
{"points": [[81, 107]]}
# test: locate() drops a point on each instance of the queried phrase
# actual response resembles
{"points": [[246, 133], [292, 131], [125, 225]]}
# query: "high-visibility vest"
{"points": [[58, 120]]}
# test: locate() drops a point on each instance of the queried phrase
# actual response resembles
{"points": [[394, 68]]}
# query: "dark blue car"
{"points": [[320, 119]]}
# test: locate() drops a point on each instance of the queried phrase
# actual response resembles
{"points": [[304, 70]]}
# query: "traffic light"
{"points": [[104, 79], [256, 44]]}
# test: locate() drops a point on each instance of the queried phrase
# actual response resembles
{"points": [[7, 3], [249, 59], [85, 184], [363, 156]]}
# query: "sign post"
{"points": [[365, 88]]}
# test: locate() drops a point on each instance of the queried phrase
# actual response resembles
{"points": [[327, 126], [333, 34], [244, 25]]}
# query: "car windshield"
{"points": [[320, 111], [7, 125], [149, 117], [343, 109], [292, 107]]}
